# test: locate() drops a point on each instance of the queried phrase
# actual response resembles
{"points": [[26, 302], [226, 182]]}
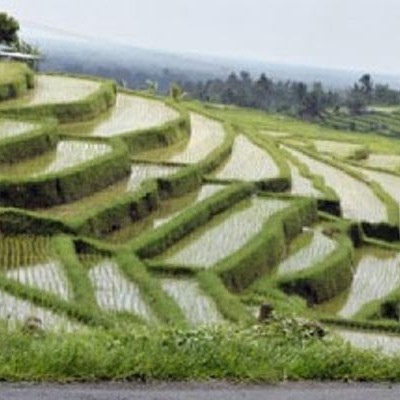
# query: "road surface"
{"points": [[199, 391]]}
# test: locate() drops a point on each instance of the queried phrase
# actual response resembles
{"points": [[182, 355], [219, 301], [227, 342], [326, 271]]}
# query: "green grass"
{"points": [[265, 353]]}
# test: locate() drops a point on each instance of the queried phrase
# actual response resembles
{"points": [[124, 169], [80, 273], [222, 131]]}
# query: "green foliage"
{"points": [[16, 221], [291, 97], [9, 28], [175, 92], [15, 80], [284, 349], [78, 277]]}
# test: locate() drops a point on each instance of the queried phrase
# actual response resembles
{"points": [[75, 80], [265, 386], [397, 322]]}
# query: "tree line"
{"points": [[291, 97]]}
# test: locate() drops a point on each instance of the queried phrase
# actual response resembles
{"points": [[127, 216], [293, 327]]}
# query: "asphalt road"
{"points": [[199, 391]]}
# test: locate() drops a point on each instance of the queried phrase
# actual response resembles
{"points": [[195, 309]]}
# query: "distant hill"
{"points": [[133, 66]]}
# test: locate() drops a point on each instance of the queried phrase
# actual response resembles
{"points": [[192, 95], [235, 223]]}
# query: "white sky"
{"points": [[350, 34]]}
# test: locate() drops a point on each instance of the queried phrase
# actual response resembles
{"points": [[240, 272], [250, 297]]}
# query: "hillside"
{"points": [[140, 235]]}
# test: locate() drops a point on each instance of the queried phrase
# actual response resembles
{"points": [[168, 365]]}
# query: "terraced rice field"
{"points": [[68, 154], [139, 174], [205, 192], [9, 128], [338, 149], [206, 135], [23, 251], [386, 344], [29, 260], [351, 191], [319, 248], [131, 113], [384, 109], [198, 308], [391, 162], [248, 162], [48, 277], [18, 311], [51, 89], [115, 293], [390, 183], [223, 237], [168, 210], [301, 185], [375, 277], [275, 134], [33, 263]]}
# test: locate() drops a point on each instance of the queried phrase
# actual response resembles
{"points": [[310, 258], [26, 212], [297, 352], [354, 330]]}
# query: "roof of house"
{"points": [[18, 56]]}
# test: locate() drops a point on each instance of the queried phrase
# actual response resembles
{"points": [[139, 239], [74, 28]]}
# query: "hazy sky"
{"points": [[351, 34]]}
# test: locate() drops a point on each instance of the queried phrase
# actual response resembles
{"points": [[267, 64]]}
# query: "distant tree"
{"points": [[299, 90], [152, 86], [175, 92], [356, 100], [295, 98], [366, 84], [383, 94], [263, 92], [9, 28], [313, 102]]}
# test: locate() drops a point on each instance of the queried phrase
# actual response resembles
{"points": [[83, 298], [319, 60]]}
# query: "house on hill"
{"points": [[8, 53]]}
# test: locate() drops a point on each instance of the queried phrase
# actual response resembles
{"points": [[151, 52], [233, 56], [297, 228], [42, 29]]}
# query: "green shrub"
{"points": [[15, 80]]}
